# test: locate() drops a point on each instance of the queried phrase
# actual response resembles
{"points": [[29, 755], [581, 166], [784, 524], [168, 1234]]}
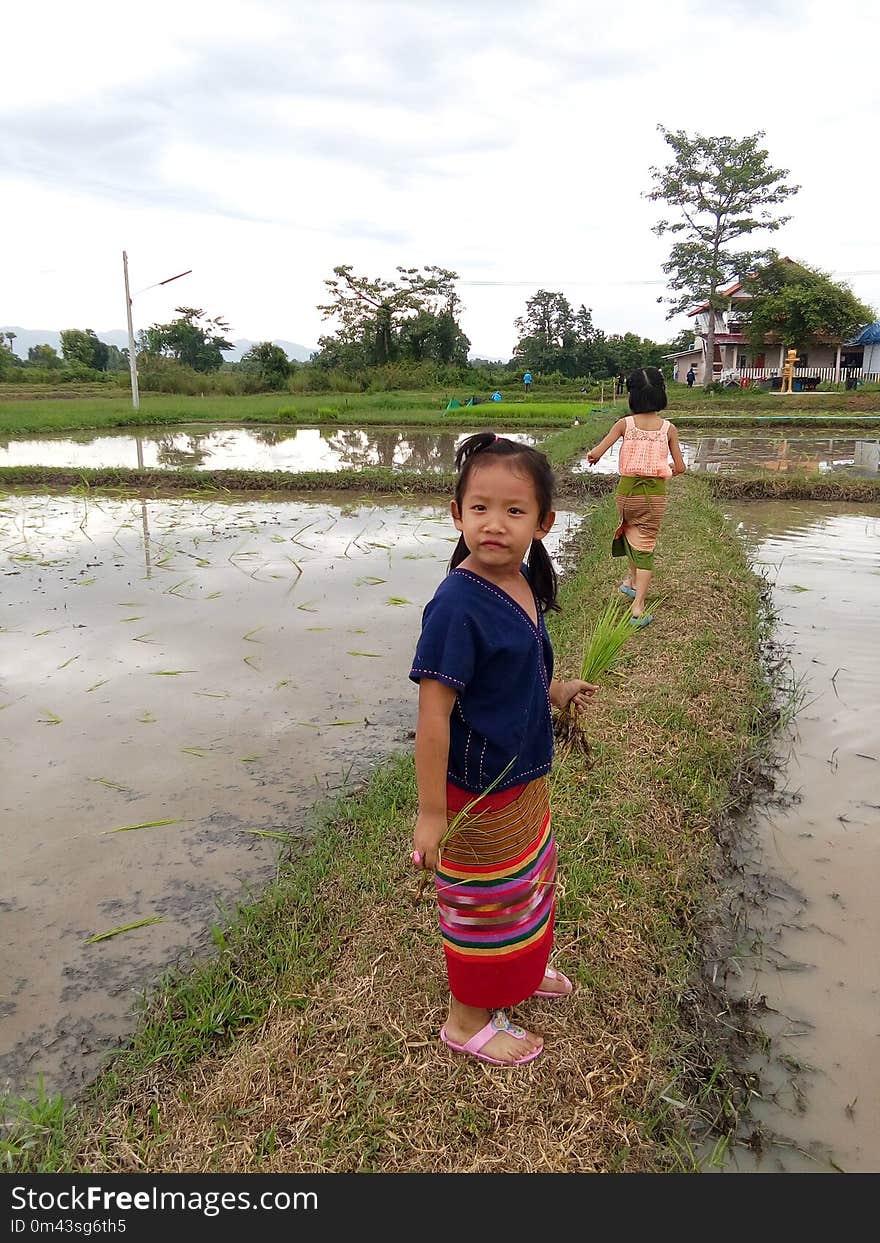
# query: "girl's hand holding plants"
{"points": [[593, 457], [577, 693], [426, 841]]}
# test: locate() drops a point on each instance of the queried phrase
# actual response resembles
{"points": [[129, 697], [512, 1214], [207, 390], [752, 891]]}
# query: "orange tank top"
{"points": [[645, 454]]}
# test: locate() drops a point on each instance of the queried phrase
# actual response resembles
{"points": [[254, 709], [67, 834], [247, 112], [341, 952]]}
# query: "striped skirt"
{"points": [[641, 504], [496, 895]]}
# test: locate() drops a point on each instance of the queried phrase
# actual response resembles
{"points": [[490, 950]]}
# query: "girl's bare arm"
{"points": [[678, 466], [604, 445], [436, 701]]}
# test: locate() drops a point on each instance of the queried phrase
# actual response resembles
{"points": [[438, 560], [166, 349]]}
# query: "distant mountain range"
{"points": [[25, 338]]}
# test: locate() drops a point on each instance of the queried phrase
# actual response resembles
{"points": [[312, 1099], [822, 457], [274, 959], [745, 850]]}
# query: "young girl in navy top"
{"points": [[484, 665]]}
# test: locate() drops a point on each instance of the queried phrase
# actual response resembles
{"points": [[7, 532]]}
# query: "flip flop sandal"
{"points": [[627, 591], [553, 974], [641, 622], [499, 1022]]}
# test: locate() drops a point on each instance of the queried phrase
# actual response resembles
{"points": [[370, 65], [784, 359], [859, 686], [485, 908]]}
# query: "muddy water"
{"points": [[217, 666], [815, 924], [236, 448], [720, 454]]}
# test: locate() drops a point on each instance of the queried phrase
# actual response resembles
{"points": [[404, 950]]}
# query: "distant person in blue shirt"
{"points": [[496, 396], [527, 380]]}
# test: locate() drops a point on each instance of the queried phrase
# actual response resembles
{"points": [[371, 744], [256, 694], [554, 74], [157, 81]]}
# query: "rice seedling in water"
{"points": [[51, 718], [115, 932], [307, 606], [103, 682], [170, 673], [369, 580], [65, 663], [354, 652], [146, 824], [249, 636], [200, 753], [273, 833], [252, 662], [398, 600], [111, 785]]}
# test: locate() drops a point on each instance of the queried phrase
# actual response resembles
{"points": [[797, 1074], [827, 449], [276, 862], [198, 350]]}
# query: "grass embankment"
{"points": [[309, 1043], [415, 409], [367, 410]]}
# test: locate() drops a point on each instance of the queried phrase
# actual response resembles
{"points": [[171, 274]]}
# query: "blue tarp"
{"points": [[869, 335]]}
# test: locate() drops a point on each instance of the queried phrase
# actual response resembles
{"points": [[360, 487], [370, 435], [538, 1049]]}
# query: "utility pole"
{"points": [[132, 356]]}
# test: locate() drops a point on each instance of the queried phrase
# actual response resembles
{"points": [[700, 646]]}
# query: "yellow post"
{"points": [[788, 370]]}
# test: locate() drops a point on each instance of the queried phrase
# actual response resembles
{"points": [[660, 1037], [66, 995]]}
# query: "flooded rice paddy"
{"points": [[726, 454], [179, 678], [239, 448], [812, 948]]}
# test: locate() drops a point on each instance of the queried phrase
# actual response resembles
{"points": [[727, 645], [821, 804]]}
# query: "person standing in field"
{"points": [[527, 382], [484, 742], [691, 376], [648, 441]]}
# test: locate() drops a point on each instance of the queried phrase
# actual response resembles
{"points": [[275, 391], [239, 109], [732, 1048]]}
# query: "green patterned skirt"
{"points": [[641, 503]]}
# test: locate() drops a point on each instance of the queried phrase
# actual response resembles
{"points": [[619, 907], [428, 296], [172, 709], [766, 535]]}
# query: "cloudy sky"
{"points": [[261, 142]]}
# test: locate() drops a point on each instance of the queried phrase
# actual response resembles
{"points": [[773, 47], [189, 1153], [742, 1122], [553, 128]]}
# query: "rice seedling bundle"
{"points": [[606, 642]]}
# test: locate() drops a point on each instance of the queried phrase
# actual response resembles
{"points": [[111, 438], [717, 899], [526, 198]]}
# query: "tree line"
{"points": [[405, 331]]}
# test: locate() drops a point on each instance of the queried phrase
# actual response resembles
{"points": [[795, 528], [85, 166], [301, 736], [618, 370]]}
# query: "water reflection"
{"points": [[807, 941], [204, 666], [779, 455], [259, 448]]}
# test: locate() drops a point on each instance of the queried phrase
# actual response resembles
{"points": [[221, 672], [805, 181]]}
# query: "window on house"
{"points": [[802, 360], [741, 362]]}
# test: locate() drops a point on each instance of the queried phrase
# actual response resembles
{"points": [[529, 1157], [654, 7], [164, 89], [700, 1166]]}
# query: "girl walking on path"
{"points": [[484, 738], [648, 441]]}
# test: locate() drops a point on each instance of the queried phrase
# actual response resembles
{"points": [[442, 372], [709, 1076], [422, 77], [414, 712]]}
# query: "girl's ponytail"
{"points": [[460, 552], [542, 576]]}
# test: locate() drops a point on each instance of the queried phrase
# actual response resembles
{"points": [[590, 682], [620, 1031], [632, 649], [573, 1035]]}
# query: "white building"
{"points": [[737, 358]]}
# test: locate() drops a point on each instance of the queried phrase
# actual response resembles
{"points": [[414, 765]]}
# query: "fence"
{"points": [[830, 374]]}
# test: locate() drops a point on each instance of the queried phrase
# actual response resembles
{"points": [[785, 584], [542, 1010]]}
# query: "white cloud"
{"points": [[261, 144]]}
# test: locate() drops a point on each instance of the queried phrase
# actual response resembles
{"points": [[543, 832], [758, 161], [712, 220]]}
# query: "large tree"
{"points": [[269, 362], [78, 346], [192, 339], [801, 305], [723, 189], [372, 314], [43, 356], [548, 334]]}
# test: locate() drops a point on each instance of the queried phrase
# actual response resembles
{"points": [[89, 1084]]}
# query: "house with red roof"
{"points": [[737, 358]]}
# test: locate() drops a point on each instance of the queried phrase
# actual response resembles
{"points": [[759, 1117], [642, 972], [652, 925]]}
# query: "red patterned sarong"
{"points": [[496, 895]]}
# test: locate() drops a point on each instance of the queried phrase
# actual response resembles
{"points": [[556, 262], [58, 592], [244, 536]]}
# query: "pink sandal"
{"points": [[499, 1022], [567, 986]]}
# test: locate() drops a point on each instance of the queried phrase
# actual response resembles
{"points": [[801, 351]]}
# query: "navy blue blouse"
{"points": [[478, 640]]}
